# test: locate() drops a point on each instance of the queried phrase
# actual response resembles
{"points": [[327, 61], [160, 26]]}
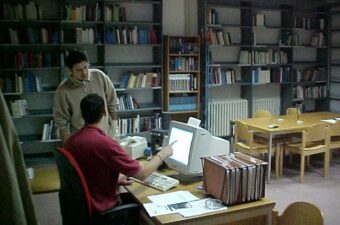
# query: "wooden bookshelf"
{"points": [[181, 79], [254, 51]]}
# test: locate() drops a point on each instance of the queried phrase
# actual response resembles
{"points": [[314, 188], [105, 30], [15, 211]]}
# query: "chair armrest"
{"points": [[130, 206]]}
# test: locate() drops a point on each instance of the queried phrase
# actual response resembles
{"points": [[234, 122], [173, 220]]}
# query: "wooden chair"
{"points": [[301, 213], [292, 111], [334, 138], [262, 113], [278, 141], [246, 143], [314, 141]]}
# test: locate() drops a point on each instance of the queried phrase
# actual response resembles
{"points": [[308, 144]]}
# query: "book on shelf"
{"points": [[19, 107], [50, 131], [259, 20], [140, 80]]}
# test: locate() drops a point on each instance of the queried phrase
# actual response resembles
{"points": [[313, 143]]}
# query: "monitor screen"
{"points": [[182, 140], [190, 143]]}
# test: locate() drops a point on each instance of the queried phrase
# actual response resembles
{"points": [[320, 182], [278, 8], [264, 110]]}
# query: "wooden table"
{"points": [[287, 125], [261, 209], [45, 180]]}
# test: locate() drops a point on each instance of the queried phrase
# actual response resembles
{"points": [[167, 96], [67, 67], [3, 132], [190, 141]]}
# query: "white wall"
{"points": [[180, 17]]}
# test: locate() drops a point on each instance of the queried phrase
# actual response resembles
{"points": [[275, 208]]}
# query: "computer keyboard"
{"points": [[161, 182]]}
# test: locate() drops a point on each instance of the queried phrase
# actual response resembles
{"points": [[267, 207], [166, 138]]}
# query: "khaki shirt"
{"points": [[66, 105]]}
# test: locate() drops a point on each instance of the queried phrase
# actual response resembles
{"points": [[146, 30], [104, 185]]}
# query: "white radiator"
{"points": [[221, 112], [270, 104]]}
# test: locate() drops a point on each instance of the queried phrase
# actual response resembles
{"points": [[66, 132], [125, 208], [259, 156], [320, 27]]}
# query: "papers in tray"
{"points": [[182, 202]]}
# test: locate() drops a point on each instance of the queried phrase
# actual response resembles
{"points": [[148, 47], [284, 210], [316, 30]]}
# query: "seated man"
{"points": [[104, 163]]}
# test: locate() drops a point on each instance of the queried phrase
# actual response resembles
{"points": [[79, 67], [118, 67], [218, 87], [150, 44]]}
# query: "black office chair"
{"points": [[74, 198]]}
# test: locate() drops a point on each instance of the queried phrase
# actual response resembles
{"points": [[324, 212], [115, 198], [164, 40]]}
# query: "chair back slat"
{"points": [[301, 213], [316, 133]]}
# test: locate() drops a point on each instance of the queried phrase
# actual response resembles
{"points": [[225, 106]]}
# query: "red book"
{"points": [[19, 60]]}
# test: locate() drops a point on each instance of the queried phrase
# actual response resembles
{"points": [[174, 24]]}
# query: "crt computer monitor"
{"points": [[190, 144]]}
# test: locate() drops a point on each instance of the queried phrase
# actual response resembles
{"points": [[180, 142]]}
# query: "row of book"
{"points": [[114, 13], [31, 35], [220, 75], [182, 82], [19, 107], [281, 74], [80, 36], [50, 131], [28, 11], [311, 74], [315, 92], [259, 20], [260, 76], [140, 80], [241, 178], [139, 124], [308, 22], [90, 12], [27, 59], [127, 102], [25, 82], [212, 16], [131, 35], [217, 37], [183, 102], [180, 46], [263, 57], [183, 64]]}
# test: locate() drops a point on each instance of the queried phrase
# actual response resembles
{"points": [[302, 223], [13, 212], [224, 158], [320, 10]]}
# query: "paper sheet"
{"points": [[172, 198], [182, 202]]}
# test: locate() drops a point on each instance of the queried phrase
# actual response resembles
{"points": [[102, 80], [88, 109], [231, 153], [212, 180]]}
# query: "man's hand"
{"points": [[124, 180]]}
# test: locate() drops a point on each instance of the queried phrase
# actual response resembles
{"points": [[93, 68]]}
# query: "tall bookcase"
{"points": [[334, 14], [181, 83], [123, 38], [253, 50]]}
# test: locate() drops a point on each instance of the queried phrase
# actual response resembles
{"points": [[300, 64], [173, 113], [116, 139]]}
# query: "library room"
{"points": [[170, 112]]}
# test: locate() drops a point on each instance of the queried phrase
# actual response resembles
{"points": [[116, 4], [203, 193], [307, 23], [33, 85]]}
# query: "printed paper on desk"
{"points": [[173, 198], [329, 120], [154, 209], [198, 208]]}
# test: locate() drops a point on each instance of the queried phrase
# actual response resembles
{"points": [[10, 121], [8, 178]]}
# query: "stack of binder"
{"points": [[234, 178]]}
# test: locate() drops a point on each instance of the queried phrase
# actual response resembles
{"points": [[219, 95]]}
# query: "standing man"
{"points": [[81, 82]]}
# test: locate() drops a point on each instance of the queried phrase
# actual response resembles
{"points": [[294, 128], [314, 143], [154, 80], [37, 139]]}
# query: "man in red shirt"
{"points": [[104, 163]]}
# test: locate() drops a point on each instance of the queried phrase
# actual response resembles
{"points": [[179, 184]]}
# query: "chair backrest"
{"points": [[262, 113], [334, 129], [301, 213], [74, 195], [292, 111], [242, 132], [315, 133]]}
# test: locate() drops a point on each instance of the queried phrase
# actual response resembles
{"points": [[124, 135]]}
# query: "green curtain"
{"points": [[16, 204]]}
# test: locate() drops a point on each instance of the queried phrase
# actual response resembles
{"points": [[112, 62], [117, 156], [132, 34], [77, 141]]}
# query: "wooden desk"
{"points": [[288, 125], [262, 208], [45, 180]]}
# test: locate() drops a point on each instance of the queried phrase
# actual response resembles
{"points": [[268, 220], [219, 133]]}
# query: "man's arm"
{"points": [[63, 131], [154, 163]]}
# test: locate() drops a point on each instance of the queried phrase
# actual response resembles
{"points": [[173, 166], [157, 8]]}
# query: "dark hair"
{"points": [[75, 57], [92, 108]]}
